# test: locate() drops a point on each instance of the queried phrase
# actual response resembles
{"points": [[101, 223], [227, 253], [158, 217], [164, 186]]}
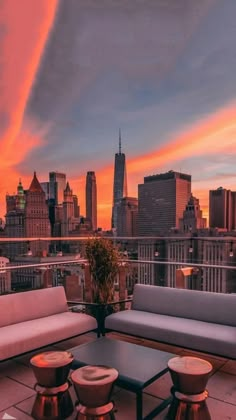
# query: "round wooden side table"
{"points": [[93, 386], [53, 400], [189, 376]]}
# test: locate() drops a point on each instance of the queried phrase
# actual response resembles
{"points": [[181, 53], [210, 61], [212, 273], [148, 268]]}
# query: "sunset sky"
{"points": [[73, 71]]}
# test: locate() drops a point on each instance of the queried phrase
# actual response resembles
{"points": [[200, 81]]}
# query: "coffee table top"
{"points": [[137, 365]]}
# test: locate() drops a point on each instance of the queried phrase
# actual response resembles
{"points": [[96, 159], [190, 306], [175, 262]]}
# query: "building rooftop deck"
{"points": [[17, 383]]}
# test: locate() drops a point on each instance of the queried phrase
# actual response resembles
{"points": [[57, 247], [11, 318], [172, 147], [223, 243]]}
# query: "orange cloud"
{"points": [[26, 29], [209, 136]]}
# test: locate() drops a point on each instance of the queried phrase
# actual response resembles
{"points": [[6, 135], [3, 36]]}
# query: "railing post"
{"points": [[122, 284]]}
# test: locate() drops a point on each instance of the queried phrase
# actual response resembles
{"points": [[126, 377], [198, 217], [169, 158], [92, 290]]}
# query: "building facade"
{"points": [[218, 251], [37, 224], [57, 185], [15, 222], [91, 199], [127, 217], [162, 200], [120, 189], [192, 220], [5, 276], [222, 209]]}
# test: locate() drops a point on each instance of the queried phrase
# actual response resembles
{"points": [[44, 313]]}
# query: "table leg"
{"points": [[139, 405]]}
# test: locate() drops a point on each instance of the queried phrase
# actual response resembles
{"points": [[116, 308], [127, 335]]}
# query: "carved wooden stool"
{"points": [[53, 400], [189, 376], [93, 387]]}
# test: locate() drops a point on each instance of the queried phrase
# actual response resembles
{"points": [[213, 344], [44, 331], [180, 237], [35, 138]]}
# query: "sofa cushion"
{"points": [[35, 304], [29, 335], [219, 308], [198, 335]]}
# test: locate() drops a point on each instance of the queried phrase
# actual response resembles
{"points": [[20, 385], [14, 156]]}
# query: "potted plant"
{"points": [[104, 261]]}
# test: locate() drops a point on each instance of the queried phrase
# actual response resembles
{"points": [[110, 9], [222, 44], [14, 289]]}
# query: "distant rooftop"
{"points": [[167, 175]]}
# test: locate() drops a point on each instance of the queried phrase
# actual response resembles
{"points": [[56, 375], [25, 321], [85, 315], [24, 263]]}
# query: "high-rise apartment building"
{"points": [[127, 217], [120, 183], [222, 209], [37, 224], [162, 200], [91, 199], [57, 185]]}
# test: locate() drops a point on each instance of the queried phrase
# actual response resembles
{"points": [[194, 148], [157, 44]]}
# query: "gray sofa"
{"points": [[34, 319], [198, 320]]}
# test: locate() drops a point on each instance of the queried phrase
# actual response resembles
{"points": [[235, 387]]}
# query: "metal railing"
{"points": [[149, 260]]}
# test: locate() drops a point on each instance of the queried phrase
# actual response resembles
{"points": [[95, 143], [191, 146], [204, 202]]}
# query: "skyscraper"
{"points": [[68, 211], [57, 185], [120, 183], [91, 199], [220, 209], [162, 200]]}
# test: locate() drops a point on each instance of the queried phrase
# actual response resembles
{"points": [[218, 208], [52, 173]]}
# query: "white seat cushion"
{"points": [[29, 335]]}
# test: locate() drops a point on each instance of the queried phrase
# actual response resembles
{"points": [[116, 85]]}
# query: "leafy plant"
{"points": [[104, 260]]}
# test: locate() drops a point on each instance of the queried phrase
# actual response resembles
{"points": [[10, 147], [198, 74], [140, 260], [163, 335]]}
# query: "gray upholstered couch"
{"points": [[34, 319], [198, 320]]}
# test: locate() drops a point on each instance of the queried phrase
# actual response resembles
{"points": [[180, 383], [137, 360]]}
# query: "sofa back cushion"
{"points": [[219, 308], [35, 304]]}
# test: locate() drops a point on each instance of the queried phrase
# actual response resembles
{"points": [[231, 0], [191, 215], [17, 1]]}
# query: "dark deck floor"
{"points": [[17, 381]]}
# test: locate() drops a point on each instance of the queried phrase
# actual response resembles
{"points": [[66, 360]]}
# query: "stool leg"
{"points": [[139, 405]]}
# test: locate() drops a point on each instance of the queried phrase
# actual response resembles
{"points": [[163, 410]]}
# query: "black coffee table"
{"points": [[138, 366]]}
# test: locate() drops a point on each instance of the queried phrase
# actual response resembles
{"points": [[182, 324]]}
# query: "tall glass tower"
{"points": [[91, 199], [120, 183]]}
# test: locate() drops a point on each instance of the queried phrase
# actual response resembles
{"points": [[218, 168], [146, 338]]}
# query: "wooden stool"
{"points": [[93, 387], [53, 400], [189, 376]]}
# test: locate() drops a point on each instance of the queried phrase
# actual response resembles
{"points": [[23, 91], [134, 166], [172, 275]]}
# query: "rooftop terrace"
{"points": [[17, 383]]}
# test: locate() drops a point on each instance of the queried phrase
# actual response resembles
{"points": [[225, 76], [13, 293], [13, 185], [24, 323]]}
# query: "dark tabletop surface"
{"points": [[137, 365]]}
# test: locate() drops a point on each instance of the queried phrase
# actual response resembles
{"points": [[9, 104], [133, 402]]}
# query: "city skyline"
{"points": [[165, 75]]}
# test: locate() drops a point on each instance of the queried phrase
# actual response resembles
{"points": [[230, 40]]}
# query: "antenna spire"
{"points": [[119, 141]]}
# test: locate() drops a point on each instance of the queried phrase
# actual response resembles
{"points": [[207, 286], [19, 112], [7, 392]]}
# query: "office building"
{"points": [[46, 188], [16, 201], [76, 206], [91, 199], [68, 211], [119, 184], [37, 224], [192, 220], [127, 217], [162, 200], [15, 222], [69, 219], [57, 185], [222, 209]]}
